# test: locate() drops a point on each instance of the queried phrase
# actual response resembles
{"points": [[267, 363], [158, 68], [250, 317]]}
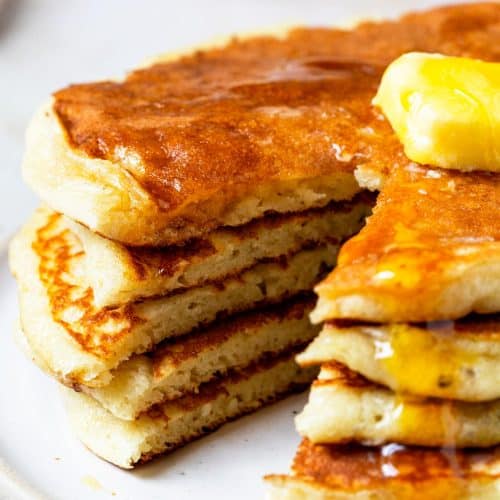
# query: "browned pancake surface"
{"points": [[262, 110], [354, 467], [428, 228]]}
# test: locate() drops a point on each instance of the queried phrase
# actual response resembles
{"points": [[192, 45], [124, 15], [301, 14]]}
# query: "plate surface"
{"points": [[44, 460]]}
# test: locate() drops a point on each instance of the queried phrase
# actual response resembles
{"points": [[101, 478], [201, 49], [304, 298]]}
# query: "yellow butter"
{"points": [[445, 110]]}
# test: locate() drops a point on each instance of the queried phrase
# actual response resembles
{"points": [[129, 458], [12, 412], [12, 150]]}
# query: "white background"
{"points": [[46, 44]]}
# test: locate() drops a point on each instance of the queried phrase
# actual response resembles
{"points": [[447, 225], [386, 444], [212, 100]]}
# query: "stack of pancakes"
{"points": [[194, 205], [407, 403], [188, 212]]}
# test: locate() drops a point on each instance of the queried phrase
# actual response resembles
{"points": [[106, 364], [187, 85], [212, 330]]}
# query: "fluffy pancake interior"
{"points": [[344, 406], [333, 472], [81, 344], [174, 423], [457, 360], [119, 274], [180, 366]]}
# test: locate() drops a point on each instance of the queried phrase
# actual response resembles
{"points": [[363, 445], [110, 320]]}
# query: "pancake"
{"points": [[120, 274], [174, 423], [430, 251], [331, 472], [456, 360], [223, 135], [80, 344], [345, 407], [181, 365]]}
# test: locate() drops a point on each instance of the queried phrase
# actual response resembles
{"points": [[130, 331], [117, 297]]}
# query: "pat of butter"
{"points": [[445, 110]]}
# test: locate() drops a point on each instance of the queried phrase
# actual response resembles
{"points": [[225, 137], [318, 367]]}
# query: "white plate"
{"points": [[40, 457]]}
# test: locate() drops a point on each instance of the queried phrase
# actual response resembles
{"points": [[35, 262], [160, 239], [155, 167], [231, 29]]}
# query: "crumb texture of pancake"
{"points": [[80, 344], [181, 365], [172, 424], [119, 274], [392, 472], [346, 407], [448, 359], [223, 135], [430, 251]]}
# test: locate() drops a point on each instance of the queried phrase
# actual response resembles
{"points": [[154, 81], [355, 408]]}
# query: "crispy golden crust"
{"points": [[186, 145], [57, 249], [352, 468], [346, 472], [430, 251]]}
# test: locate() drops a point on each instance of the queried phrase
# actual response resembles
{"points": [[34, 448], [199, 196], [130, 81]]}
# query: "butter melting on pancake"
{"points": [[346, 407], [430, 251], [448, 359]]}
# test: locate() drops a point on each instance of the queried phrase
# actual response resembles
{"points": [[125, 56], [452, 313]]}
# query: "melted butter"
{"points": [[92, 483], [413, 416], [445, 110], [423, 361]]}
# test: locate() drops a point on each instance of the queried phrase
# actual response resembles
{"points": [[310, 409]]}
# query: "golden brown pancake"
{"points": [[445, 359], [174, 423], [430, 251], [221, 136], [80, 343], [333, 472]]}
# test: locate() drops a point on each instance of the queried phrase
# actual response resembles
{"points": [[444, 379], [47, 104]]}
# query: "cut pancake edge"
{"points": [[171, 425], [119, 274], [84, 352], [345, 407], [451, 360], [475, 289], [181, 365]]}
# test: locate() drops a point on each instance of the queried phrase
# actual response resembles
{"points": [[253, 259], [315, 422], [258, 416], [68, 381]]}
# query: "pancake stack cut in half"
{"points": [[410, 348], [190, 208]]}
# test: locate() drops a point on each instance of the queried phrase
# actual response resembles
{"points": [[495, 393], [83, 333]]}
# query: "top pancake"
{"points": [[430, 251], [221, 136]]}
